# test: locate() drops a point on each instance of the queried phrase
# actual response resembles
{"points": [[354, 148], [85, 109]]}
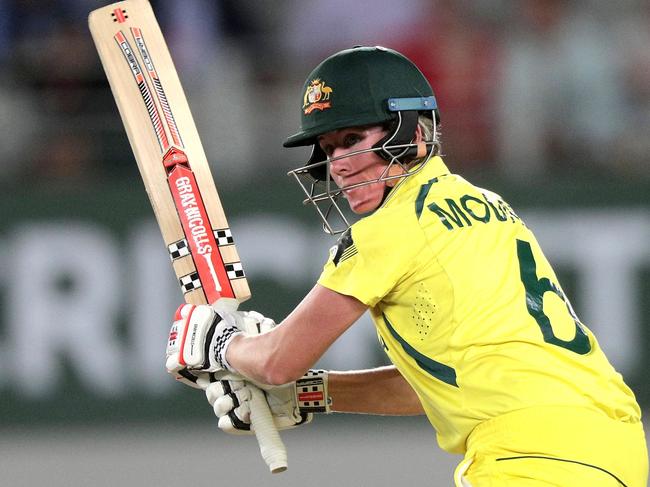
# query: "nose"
{"points": [[339, 164]]}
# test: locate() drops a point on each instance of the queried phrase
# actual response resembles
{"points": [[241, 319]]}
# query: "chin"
{"points": [[364, 207], [363, 201]]}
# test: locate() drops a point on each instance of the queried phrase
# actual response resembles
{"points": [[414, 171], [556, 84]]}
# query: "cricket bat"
{"points": [[176, 173]]}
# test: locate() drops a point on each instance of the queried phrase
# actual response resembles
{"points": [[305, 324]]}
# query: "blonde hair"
{"points": [[429, 132]]}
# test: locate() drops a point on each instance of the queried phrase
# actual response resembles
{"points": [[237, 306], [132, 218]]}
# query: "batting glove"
{"points": [[200, 335], [291, 404]]}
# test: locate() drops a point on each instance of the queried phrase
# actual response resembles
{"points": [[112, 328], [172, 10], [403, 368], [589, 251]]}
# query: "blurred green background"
{"points": [[546, 102]]}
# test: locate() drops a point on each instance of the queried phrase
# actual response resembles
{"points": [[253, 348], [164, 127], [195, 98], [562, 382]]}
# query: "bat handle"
{"points": [[271, 446], [273, 450]]}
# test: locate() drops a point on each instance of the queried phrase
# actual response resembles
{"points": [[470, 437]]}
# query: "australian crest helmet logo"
{"points": [[316, 97]]}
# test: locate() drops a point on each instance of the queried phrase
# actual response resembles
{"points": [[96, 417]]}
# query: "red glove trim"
{"points": [[181, 359]]}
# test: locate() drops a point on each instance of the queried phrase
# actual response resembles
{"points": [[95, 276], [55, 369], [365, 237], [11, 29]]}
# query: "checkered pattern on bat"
{"points": [[235, 270], [190, 282], [180, 248], [223, 236]]}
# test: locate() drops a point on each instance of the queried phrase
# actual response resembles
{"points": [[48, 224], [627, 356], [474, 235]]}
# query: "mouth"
{"points": [[347, 190], [345, 182]]}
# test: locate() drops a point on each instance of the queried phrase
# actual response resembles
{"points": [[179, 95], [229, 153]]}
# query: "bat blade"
{"points": [[175, 172], [169, 153]]}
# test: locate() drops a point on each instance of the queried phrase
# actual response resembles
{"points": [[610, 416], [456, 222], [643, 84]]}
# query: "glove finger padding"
{"points": [[222, 388], [237, 421], [230, 400], [192, 379], [256, 323]]}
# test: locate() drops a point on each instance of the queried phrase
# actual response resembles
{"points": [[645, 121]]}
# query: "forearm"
{"points": [[375, 391], [285, 353], [267, 358]]}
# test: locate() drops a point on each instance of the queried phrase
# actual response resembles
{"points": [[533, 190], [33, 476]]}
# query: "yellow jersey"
{"points": [[468, 308]]}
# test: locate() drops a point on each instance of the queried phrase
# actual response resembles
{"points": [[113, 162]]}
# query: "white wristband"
{"points": [[312, 392]]}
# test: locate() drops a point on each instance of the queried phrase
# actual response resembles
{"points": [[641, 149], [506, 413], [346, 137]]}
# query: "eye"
{"points": [[350, 140]]}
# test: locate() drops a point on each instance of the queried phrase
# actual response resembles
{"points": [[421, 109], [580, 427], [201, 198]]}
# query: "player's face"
{"points": [[356, 168]]}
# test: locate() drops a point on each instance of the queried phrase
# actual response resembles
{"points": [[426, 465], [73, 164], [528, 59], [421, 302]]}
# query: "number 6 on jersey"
{"points": [[175, 171]]}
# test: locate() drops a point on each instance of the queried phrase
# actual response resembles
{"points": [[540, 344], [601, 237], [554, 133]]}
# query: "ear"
{"points": [[419, 136]]}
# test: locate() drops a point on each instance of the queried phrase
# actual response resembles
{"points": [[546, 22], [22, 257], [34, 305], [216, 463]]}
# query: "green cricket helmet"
{"points": [[361, 86], [352, 88]]}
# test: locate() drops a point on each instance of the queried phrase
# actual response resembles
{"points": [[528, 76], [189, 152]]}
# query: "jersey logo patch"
{"points": [[345, 248]]}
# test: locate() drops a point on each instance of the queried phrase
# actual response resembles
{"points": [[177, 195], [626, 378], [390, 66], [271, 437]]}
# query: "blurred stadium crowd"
{"points": [[527, 88]]}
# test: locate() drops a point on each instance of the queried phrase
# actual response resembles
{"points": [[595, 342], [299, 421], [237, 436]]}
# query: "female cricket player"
{"points": [[481, 336]]}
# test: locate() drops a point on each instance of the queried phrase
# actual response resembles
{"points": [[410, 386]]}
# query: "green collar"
{"points": [[423, 172]]}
